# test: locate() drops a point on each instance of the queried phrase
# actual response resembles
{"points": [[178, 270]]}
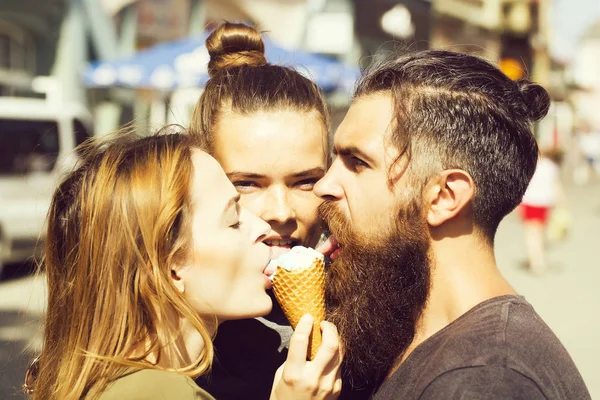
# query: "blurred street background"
{"points": [[71, 69]]}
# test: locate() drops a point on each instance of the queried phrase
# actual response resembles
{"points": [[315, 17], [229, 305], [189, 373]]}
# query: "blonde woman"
{"points": [[147, 252]]}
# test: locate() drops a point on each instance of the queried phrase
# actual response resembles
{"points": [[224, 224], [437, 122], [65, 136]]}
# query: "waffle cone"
{"points": [[300, 293]]}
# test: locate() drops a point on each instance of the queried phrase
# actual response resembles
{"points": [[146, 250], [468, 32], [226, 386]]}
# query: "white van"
{"points": [[37, 141]]}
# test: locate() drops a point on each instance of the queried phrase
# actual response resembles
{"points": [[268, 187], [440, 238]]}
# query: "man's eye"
{"points": [[356, 164], [359, 163]]}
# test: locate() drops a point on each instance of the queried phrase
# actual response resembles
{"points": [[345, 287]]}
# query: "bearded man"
{"points": [[436, 149]]}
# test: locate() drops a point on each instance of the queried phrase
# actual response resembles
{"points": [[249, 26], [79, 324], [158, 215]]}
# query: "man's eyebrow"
{"points": [[353, 151], [309, 172], [246, 175]]}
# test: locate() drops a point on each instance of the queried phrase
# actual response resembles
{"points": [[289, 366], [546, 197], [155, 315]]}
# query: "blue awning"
{"points": [[183, 63]]}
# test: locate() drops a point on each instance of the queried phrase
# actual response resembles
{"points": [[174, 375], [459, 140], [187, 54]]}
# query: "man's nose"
{"points": [[278, 208], [328, 187]]}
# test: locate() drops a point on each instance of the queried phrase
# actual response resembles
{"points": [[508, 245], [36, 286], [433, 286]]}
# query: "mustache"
{"points": [[335, 222]]}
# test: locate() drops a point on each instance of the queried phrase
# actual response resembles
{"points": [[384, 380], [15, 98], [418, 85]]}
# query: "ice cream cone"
{"points": [[302, 291]]}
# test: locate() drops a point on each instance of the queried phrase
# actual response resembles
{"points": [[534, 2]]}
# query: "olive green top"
{"points": [[150, 384]]}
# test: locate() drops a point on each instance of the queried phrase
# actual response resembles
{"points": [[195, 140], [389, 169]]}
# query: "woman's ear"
{"points": [[447, 195], [177, 278]]}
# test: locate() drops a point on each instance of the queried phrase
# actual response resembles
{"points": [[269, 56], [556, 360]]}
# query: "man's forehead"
{"points": [[367, 122]]}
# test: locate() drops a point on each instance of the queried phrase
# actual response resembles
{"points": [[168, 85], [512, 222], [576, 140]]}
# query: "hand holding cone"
{"points": [[301, 290]]}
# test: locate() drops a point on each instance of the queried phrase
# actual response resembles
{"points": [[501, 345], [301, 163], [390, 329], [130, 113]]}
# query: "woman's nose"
{"points": [[259, 229], [277, 206]]}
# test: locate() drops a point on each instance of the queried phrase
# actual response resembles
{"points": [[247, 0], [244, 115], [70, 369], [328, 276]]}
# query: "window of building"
{"points": [[28, 146]]}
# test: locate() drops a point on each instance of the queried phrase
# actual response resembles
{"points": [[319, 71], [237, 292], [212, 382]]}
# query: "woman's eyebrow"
{"points": [[247, 175], [309, 172], [251, 175]]}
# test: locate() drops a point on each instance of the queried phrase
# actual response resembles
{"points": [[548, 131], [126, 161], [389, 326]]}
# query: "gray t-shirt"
{"points": [[500, 349]]}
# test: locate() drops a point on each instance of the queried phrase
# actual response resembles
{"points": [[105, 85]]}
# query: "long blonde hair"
{"points": [[116, 225]]}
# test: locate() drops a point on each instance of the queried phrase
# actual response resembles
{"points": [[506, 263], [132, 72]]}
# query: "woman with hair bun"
{"points": [[268, 127], [147, 251]]}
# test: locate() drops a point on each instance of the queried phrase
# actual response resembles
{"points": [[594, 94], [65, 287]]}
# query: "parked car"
{"points": [[37, 142]]}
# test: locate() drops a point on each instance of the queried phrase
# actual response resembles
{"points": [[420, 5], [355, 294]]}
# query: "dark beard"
{"points": [[375, 292]]}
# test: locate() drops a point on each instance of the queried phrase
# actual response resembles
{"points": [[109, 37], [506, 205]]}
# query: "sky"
{"points": [[569, 20]]}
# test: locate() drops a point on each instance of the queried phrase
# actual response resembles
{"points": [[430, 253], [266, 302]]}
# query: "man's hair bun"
{"points": [[234, 45], [535, 98]]}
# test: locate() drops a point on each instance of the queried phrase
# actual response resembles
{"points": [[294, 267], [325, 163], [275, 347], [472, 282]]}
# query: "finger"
{"points": [[332, 377], [296, 358], [337, 385], [277, 377], [329, 356], [338, 339], [331, 380]]}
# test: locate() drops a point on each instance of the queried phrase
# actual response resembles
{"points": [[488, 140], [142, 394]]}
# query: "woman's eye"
{"points": [[236, 225], [307, 184], [245, 186]]}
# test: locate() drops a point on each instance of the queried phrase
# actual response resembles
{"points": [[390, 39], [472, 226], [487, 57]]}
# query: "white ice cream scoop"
{"points": [[299, 257]]}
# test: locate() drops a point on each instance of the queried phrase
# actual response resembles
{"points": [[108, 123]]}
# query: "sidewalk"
{"points": [[22, 302]]}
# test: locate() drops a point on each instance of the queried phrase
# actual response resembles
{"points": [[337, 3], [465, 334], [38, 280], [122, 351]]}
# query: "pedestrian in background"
{"points": [[540, 200]]}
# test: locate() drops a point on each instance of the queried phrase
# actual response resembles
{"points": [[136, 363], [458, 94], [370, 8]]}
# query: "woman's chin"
{"points": [[261, 308], [268, 306]]}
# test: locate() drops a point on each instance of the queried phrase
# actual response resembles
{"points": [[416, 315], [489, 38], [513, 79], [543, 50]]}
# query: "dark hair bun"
{"points": [[536, 99], [234, 45]]}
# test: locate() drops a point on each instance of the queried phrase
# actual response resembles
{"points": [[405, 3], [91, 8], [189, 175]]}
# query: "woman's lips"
{"points": [[269, 268], [276, 251], [268, 283]]}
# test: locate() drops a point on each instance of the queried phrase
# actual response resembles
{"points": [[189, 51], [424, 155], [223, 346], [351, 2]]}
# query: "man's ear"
{"points": [[176, 277], [447, 195]]}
